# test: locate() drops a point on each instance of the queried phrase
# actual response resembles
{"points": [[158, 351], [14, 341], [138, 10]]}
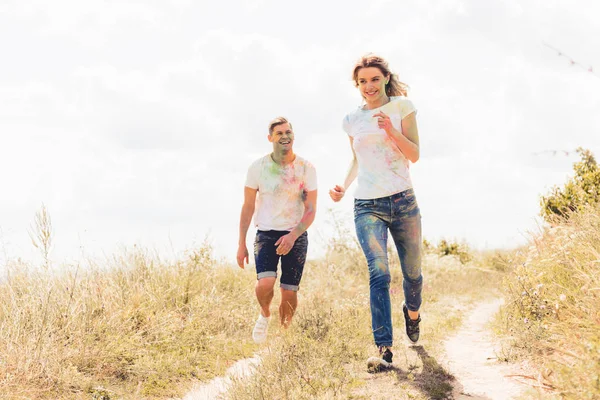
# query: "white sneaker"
{"points": [[259, 333]]}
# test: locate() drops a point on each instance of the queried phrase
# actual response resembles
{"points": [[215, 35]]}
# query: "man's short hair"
{"points": [[277, 121]]}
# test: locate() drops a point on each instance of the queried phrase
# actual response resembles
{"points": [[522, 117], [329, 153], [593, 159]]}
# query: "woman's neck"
{"points": [[377, 103]]}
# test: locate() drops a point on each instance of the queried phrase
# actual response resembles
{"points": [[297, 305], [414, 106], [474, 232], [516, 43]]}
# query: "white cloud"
{"points": [[136, 122]]}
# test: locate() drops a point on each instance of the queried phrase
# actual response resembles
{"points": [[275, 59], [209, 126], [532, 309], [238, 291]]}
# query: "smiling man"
{"points": [[283, 210]]}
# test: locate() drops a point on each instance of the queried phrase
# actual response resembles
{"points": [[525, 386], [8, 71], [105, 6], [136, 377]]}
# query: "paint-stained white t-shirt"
{"points": [[382, 168], [281, 191]]}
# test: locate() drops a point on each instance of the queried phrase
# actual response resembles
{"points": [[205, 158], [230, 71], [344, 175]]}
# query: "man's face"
{"points": [[282, 137]]}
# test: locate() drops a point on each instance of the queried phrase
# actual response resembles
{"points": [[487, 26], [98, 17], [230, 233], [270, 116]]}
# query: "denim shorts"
{"points": [[292, 264]]}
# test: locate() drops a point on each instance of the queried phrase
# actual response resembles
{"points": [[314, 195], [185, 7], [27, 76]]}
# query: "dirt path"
{"points": [[219, 385], [469, 369], [471, 359]]}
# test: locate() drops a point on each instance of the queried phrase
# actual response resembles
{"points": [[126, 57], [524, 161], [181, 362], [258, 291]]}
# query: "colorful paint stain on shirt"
{"points": [[281, 191], [382, 168]]}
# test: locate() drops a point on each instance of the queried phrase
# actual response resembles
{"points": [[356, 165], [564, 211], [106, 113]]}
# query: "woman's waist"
{"points": [[374, 193]]}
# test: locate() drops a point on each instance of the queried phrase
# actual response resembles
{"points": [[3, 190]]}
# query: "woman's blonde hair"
{"points": [[394, 87]]}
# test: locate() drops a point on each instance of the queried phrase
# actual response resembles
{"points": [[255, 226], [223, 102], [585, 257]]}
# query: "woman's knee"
{"points": [[414, 279], [378, 266], [380, 281]]}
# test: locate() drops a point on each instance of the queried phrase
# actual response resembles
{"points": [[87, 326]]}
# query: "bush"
{"points": [[427, 246], [582, 189], [446, 248], [553, 305]]}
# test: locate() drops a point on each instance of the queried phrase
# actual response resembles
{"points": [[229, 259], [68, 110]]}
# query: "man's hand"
{"points": [[337, 193], [285, 244], [241, 255]]}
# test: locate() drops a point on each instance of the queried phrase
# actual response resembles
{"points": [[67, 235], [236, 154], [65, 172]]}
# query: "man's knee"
{"points": [[266, 283], [289, 294], [289, 298]]}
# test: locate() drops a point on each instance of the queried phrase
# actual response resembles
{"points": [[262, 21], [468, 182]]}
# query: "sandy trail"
{"points": [[471, 358], [218, 386]]}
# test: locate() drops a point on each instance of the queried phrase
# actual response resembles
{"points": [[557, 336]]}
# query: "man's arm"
{"points": [[286, 242], [310, 211], [245, 220]]}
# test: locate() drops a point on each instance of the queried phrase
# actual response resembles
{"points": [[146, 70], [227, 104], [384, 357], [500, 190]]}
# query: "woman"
{"points": [[384, 140]]}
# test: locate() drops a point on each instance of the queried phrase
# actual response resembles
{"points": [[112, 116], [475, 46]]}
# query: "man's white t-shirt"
{"points": [[281, 191], [382, 168]]}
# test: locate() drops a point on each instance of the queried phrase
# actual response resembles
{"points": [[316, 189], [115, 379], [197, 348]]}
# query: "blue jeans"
{"points": [[398, 213]]}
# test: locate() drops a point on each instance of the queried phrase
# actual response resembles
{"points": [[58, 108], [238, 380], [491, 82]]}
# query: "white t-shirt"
{"points": [[281, 191], [382, 168]]}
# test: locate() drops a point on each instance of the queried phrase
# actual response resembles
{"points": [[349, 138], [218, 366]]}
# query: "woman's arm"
{"points": [[407, 140], [338, 191]]}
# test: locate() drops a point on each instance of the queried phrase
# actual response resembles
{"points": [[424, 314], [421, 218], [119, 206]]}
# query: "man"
{"points": [[286, 206]]}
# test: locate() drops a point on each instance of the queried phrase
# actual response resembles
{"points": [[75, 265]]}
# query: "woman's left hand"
{"points": [[384, 122]]}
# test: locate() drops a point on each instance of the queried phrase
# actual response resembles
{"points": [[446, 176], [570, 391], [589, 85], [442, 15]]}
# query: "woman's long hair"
{"points": [[394, 86]]}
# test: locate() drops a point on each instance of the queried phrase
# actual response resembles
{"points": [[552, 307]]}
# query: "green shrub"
{"points": [[427, 246], [446, 248], [553, 306], [581, 189]]}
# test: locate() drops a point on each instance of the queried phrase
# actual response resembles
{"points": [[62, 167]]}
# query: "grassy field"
{"points": [[137, 327], [552, 316], [324, 354]]}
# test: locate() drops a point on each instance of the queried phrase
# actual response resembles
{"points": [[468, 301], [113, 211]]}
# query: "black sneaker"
{"points": [[412, 325], [381, 363], [386, 354]]}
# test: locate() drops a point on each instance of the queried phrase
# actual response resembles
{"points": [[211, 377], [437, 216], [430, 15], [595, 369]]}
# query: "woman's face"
{"points": [[371, 83]]}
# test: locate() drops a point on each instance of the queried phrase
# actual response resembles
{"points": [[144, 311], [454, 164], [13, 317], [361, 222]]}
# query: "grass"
{"points": [[552, 317], [138, 327], [323, 355]]}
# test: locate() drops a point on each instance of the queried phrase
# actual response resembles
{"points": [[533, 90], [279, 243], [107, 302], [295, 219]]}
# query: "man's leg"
{"points": [[292, 266], [266, 274], [287, 308], [264, 294]]}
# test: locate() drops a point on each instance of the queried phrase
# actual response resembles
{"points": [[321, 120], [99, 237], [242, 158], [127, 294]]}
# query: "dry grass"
{"points": [[553, 315], [138, 328], [323, 355]]}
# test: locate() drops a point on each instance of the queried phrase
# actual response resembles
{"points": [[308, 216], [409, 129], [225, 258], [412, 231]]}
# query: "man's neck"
{"points": [[284, 157]]}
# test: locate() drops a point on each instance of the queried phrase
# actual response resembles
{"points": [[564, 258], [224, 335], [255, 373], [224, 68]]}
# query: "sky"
{"points": [[134, 123]]}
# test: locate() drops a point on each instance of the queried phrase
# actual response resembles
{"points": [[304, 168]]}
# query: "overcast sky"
{"points": [[135, 122]]}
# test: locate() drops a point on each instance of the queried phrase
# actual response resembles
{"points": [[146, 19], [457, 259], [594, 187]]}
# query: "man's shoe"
{"points": [[412, 325], [259, 333], [381, 363]]}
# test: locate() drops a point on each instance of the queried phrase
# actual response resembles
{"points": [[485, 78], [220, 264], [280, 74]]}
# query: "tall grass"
{"points": [[138, 327], [553, 313], [135, 328], [323, 355]]}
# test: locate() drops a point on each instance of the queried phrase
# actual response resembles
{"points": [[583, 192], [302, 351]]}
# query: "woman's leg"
{"points": [[406, 233], [371, 231]]}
